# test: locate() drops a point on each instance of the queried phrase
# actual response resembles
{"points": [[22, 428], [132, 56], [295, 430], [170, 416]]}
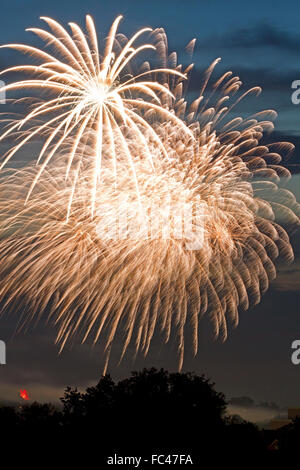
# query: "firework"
{"points": [[202, 234], [91, 98]]}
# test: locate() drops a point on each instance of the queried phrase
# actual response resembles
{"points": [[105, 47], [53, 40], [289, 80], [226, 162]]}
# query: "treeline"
{"points": [[151, 412]]}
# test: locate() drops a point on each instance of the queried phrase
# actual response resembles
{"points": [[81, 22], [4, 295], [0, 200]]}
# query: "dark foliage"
{"points": [[152, 412]]}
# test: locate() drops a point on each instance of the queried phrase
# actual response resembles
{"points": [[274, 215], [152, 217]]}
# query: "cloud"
{"points": [[259, 35], [268, 79], [256, 414], [265, 35], [288, 279], [260, 413], [246, 402]]}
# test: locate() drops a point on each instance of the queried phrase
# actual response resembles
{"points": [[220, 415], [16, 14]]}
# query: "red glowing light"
{"points": [[24, 395]]}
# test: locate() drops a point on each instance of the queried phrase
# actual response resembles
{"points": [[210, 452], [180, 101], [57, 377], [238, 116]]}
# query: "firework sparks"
{"points": [[94, 98], [101, 274]]}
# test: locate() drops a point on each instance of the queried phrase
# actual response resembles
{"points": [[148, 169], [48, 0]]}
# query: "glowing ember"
{"points": [[24, 395]]}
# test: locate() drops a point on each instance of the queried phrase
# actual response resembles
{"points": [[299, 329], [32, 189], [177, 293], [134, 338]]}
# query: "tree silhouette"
{"points": [[151, 412], [150, 409]]}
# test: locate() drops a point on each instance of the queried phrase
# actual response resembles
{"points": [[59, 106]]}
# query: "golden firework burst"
{"points": [[198, 230]]}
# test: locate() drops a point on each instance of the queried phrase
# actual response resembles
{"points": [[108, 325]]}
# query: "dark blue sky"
{"points": [[181, 19], [259, 41]]}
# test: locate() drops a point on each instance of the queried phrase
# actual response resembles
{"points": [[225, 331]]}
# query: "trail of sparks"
{"points": [[103, 268], [89, 92]]}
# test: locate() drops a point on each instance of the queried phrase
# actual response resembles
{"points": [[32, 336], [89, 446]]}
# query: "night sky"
{"points": [[260, 42]]}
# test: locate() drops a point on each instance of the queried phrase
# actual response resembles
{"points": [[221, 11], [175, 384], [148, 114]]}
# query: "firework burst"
{"points": [[92, 98], [202, 234]]}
